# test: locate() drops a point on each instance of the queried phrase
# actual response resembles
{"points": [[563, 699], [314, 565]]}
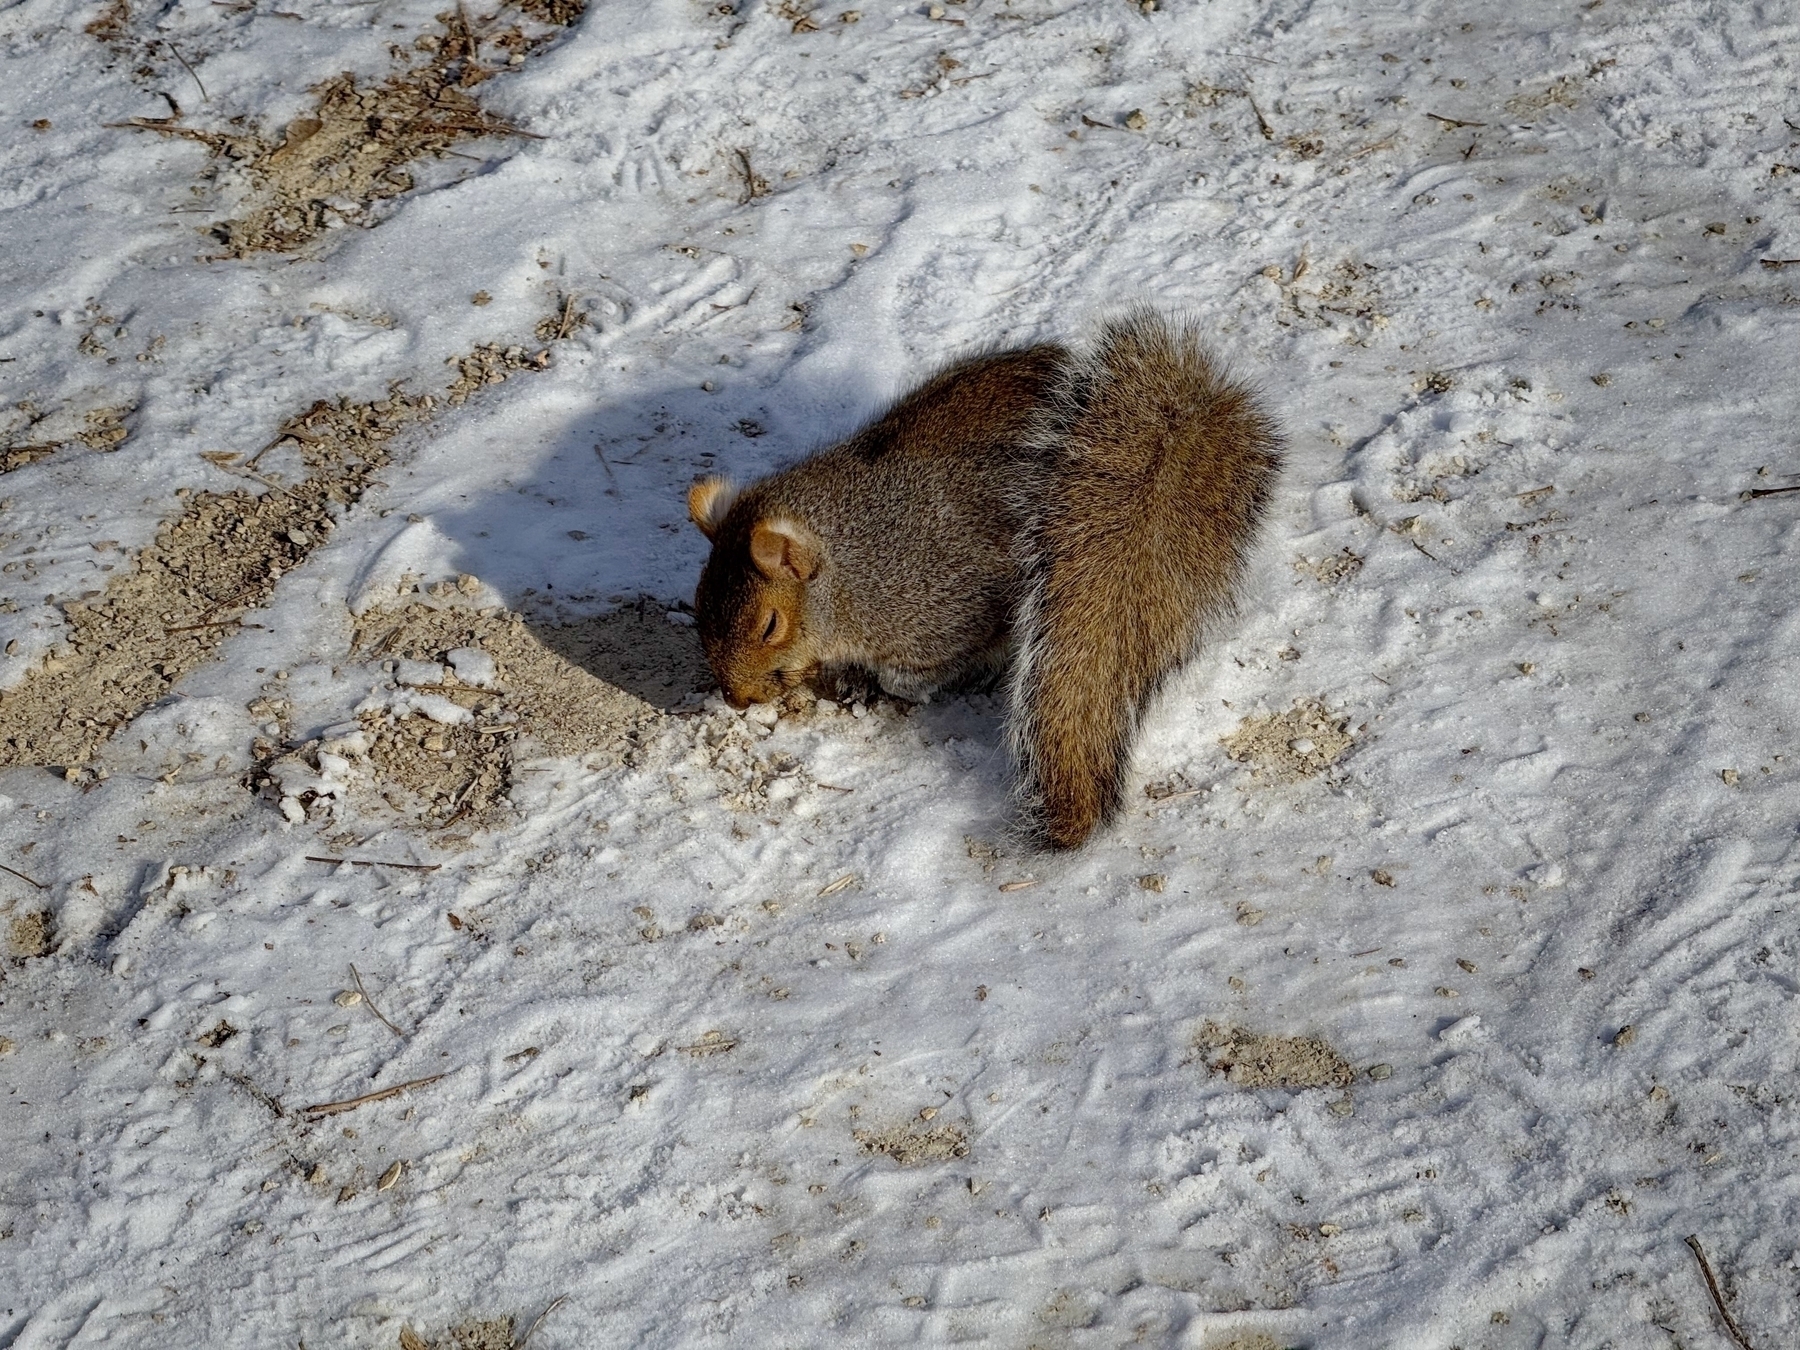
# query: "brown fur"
{"points": [[910, 525], [1091, 513], [1160, 470]]}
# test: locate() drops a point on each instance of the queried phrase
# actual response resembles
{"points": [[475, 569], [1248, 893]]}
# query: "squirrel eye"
{"points": [[769, 628]]}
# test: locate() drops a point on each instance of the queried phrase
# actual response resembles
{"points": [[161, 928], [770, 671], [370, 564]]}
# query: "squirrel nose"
{"points": [[737, 701]]}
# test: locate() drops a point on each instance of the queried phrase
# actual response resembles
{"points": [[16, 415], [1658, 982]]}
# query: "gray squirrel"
{"points": [[1077, 517]]}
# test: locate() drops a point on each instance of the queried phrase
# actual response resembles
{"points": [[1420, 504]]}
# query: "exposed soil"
{"points": [[41, 435], [562, 13], [1243, 1340], [540, 704], [1252, 1060], [209, 567], [31, 935], [334, 163], [1287, 747], [494, 1333], [1332, 571], [912, 1145]]}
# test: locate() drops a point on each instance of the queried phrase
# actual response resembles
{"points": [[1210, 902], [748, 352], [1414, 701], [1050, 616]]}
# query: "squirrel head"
{"points": [[752, 599]]}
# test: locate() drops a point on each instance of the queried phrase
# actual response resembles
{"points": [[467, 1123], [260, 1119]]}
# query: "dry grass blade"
{"points": [[190, 70], [1712, 1287], [531, 1331], [13, 871], [351, 1103], [369, 1003], [1453, 122], [375, 862], [754, 184], [1268, 132]]}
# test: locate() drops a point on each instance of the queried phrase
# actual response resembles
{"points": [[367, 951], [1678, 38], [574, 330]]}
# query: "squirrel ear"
{"points": [[783, 548], [708, 501]]}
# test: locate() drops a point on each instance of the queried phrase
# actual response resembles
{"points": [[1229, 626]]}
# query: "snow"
{"points": [[1552, 885]]}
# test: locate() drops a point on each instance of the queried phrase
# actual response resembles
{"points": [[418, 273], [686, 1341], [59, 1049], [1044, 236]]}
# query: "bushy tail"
{"points": [[1159, 467]]}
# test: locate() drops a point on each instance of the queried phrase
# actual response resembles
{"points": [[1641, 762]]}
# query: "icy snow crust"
{"points": [[1531, 362]]}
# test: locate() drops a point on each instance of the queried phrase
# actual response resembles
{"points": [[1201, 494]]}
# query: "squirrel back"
{"points": [[888, 553], [1158, 469]]}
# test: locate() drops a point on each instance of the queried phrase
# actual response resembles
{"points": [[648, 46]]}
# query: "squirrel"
{"points": [[1078, 517]]}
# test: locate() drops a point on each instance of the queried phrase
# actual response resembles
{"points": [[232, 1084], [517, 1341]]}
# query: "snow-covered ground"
{"points": [[737, 1030]]}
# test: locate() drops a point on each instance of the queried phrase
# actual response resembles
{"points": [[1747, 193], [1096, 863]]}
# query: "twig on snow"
{"points": [[13, 871], [1712, 1287], [351, 1103], [376, 862], [754, 186]]}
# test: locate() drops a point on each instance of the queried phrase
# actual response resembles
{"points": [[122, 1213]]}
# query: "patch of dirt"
{"points": [[1249, 1059], [1332, 571], [207, 568], [641, 648], [333, 164], [912, 1145], [37, 435], [31, 935], [1562, 93], [1346, 290], [494, 1333], [1243, 1340], [217, 561], [1288, 747], [562, 13], [537, 704]]}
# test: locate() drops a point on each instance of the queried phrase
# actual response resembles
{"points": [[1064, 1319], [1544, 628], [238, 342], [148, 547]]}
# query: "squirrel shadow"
{"points": [[636, 648], [591, 544]]}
